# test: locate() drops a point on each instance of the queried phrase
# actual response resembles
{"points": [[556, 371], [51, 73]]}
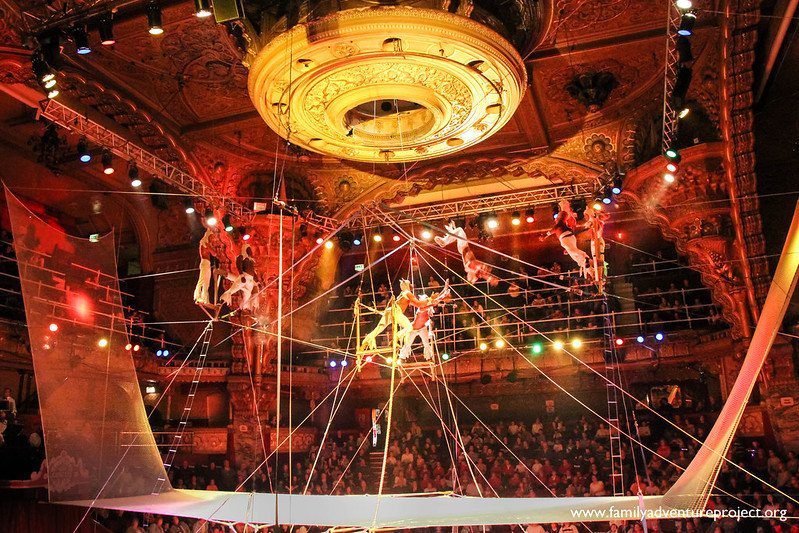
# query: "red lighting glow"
{"points": [[395, 238], [530, 219], [53, 327], [81, 306], [619, 342]]}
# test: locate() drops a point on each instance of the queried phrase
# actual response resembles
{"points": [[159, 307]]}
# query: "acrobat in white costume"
{"points": [[475, 269], [204, 281], [244, 282], [422, 325], [564, 228]]}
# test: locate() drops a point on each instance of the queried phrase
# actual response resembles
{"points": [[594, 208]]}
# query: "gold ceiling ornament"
{"points": [[388, 84]]}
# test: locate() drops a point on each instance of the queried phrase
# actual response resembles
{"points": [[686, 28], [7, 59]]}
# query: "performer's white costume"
{"points": [[244, 282], [475, 269], [204, 281]]}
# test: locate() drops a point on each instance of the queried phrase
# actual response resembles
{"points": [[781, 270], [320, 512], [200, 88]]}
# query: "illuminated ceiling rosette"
{"points": [[387, 84]]}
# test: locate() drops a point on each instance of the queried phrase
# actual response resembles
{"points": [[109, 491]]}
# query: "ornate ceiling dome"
{"points": [[389, 83]]}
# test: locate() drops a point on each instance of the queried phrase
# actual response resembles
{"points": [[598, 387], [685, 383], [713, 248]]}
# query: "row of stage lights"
{"points": [[46, 60], [682, 82], [102, 342], [537, 348], [489, 221], [85, 156]]}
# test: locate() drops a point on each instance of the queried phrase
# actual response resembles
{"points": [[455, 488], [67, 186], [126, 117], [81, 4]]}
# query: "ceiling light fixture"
{"points": [[107, 160], [154, 19], [202, 8], [105, 26]]}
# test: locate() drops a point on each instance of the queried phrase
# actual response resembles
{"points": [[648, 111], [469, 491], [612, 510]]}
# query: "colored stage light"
{"points": [[344, 362], [577, 343], [659, 336], [202, 8], [53, 327], [227, 223], [558, 345], [333, 364], [149, 389], [483, 346], [668, 177], [619, 341], [530, 215], [684, 112], [319, 240], [492, 222], [154, 21], [329, 245], [81, 38], [672, 155], [166, 353], [83, 150], [640, 339], [377, 237], [395, 238], [136, 347], [210, 218], [427, 234], [445, 356], [108, 162], [245, 236], [356, 241], [537, 348], [159, 353], [499, 343], [684, 4], [133, 175], [128, 347], [687, 22], [81, 306], [368, 358], [105, 25], [102, 343], [671, 167], [516, 218]]}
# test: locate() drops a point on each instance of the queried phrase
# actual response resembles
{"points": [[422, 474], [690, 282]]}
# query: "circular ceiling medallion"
{"points": [[387, 84]]}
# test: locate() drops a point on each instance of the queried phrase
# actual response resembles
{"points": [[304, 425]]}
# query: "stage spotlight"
{"points": [[492, 222], [483, 346], [395, 238], [687, 22], [188, 206], [227, 223], [672, 155], [245, 235], [356, 241], [684, 53], [83, 150], [210, 218], [81, 38], [577, 343], [41, 69], [369, 358], [617, 184], [319, 240], [668, 177], [107, 160], [499, 344], [52, 93], [558, 345], [445, 356], [640, 339], [684, 4], [53, 327], [530, 215], [555, 210], [597, 205], [377, 237], [159, 353], [154, 21], [150, 389], [659, 336], [332, 364], [516, 218], [133, 174], [607, 198], [202, 8], [619, 341], [329, 245], [136, 347], [537, 348], [684, 112], [344, 362], [166, 353], [102, 343], [427, 234], [128, 347], [681, 84], [671, 167], [105, 26]]}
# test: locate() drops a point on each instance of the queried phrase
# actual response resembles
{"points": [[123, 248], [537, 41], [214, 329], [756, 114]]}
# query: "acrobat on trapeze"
{"points": [[564, 229], [476, 270]]}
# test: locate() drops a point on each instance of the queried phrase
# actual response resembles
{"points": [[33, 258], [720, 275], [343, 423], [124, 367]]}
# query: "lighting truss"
{"points": [[376, 215], [66, 117], [669, 111]]}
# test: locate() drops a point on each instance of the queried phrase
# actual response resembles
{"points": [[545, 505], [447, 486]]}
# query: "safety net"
{"points": [[97, 438]]}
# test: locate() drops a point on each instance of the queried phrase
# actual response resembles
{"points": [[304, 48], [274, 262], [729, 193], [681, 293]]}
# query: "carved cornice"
{"points": [[694, 212], [739, 36]]}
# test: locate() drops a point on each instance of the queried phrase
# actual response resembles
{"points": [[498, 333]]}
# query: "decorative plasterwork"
{"points": [[387, 85], [696, 214]]}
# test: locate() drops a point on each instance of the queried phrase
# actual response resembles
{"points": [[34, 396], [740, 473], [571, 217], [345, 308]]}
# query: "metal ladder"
{"points": [[611, 373], [184, 416]]}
